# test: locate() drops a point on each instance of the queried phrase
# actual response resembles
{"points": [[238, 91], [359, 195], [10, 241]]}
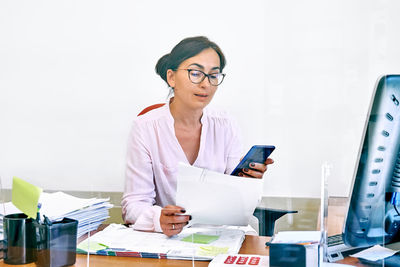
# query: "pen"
{"points": [[47, 221], [38, 213], [308, 243]]}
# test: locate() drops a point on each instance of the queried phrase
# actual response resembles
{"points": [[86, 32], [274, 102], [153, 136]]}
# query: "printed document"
{"points": [[216, 198], [192, 243]]}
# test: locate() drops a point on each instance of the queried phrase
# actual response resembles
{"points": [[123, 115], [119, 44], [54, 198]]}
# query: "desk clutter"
{"points": [[89, 213], [44, 227], [193, 243]]}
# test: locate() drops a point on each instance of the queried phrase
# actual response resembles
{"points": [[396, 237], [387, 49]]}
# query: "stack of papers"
{"points": [[297, 237], [192, 243], [90, 213], [6, 208]]}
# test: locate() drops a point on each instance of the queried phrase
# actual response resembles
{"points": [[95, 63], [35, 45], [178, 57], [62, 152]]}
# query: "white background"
{"points": [[300, 74]]}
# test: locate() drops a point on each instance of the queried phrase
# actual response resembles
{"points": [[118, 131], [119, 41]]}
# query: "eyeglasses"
{"points": [[197, 76]]}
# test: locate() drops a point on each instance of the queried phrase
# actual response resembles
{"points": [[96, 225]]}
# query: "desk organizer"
{"points": [[19, 239], [56, 243]]}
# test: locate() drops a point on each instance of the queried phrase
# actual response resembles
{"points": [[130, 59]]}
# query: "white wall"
{"points": [[300, 75]]}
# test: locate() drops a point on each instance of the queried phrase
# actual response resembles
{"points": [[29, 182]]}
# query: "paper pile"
{"points": [[6, 208], [90, 213], [192, 243]]}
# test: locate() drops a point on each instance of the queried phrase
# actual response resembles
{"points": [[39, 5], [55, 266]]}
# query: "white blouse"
{"points": [[152, 161]]}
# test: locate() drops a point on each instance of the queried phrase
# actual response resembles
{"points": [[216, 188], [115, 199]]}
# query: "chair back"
{"points": [[145, 110]]}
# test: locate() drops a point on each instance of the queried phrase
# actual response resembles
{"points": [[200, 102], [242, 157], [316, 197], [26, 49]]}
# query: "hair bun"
{"points": [[162, 66]]}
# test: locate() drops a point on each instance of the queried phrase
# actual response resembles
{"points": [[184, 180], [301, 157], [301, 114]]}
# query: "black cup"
{"points": [[19, 239]]}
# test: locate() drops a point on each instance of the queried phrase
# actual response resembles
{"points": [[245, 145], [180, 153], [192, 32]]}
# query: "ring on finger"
{"points": [[173, 226]]}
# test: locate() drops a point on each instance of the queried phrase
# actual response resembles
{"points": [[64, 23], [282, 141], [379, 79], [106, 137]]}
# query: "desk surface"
{"points": [[251, 245]]}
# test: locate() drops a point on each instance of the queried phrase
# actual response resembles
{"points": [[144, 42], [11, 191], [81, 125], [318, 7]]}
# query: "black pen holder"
{"points": [[56, 243], [19, 239]]}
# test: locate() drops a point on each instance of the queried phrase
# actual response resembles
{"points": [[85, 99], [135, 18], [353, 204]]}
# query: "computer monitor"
{"points": [[372, 216]]}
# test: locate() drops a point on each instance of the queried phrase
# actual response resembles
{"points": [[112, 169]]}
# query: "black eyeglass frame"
{"points": [[205, 75]]}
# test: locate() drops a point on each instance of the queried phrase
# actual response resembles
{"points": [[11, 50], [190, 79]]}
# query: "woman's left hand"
{"points": [[256, 170]]}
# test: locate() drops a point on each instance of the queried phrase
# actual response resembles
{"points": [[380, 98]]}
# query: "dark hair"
{"points": [[187, 48]]}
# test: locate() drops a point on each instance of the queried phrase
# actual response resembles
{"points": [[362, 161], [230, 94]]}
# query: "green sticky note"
{"points": [[212, 251], [25, 197], [201, 239], [92, 246]]}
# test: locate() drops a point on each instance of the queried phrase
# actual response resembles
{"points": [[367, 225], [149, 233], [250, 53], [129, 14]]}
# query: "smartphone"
{"points": [[258, 154]]}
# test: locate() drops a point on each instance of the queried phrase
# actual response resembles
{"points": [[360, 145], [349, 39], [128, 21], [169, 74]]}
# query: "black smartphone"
{"points": [[257, 153]]}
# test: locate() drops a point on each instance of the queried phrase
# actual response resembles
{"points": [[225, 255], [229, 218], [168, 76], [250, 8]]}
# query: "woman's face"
{"points": [[196, 96]]}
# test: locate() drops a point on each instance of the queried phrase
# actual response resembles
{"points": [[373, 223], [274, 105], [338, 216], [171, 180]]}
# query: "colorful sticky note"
{"points": [[201, 239], [91, 247], [25, 197], [212, 251]]}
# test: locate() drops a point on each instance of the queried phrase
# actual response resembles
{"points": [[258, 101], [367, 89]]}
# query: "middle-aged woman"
{"points": [[181, 130]]}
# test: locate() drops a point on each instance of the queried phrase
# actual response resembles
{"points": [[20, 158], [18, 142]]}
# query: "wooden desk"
{"points": [[251, 245]]}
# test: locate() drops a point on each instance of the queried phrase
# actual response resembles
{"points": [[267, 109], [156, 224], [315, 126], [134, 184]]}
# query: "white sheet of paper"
{"points": [[296, 237], [216, 198], [8, 208], [375, 253], [5, 209]]}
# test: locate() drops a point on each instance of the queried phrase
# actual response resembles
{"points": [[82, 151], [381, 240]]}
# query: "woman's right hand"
{"points": [[171, 223]]}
